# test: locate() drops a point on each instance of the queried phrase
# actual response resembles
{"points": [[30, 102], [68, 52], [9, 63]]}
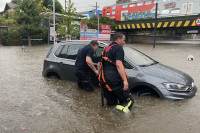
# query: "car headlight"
{"points": [[176, 87]]}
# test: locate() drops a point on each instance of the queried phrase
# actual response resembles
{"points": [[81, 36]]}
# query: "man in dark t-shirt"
{"points": [[115, 76], [84, 65]]}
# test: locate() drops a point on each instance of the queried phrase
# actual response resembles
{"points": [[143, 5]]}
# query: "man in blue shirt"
{"points": [[84, 65]]}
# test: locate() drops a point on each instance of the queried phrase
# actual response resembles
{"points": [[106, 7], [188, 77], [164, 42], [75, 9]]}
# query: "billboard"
{"points": [[104, 34], [87, 33]]}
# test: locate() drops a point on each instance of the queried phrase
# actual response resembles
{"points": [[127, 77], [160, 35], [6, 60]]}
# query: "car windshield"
{"points": [[138, 58]]}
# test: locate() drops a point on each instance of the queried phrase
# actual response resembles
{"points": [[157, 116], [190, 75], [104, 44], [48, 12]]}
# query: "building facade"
{"points": [[146, 9]]}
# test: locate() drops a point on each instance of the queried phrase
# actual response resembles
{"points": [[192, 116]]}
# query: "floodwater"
{"points": [[30, 103]]}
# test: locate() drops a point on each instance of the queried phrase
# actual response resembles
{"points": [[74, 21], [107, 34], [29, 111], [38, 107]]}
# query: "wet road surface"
{"points": [[43, 105]]}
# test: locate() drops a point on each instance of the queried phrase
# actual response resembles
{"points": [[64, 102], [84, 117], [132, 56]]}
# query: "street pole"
{"points": [[154, 40], [49, 30], [65, 6], [49, 25], [54, 25], [98, 23], [97, 20]]}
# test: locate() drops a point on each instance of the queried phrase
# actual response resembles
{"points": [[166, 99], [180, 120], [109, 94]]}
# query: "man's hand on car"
{"points": [[125, 85]]}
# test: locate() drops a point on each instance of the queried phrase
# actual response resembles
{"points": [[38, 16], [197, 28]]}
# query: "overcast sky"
{"points": [[85, 5], [2, 4], [81, 5]]}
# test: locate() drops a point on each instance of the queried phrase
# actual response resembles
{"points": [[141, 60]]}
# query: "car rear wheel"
{"points": [[53, 76]]}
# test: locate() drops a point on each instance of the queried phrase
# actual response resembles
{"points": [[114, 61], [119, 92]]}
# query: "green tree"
{"points": [[69, 21], [29, 18], [58, 7], [7, 19], [16, 1], [49, 3], [93, 22], [46, 4], [122, 1]]}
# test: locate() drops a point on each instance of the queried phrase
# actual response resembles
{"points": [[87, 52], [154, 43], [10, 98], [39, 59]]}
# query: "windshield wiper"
{"points": [[155, 62]]}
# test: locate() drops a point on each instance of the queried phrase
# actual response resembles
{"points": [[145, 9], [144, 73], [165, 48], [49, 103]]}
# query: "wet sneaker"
{"points": [[125, 107], [122, 108]]}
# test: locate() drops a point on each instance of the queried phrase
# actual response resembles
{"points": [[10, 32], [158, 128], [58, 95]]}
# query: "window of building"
{"points": [[156, 1], [104, 12], [113, 12], [108, 13], [148, 3], [114, 7], [132, 5], [125, 6], [140, 4]]}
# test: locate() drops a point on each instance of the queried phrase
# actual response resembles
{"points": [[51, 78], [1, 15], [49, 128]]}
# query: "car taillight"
{"points": [[44, 61]]}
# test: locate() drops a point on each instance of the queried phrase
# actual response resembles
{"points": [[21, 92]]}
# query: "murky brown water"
{"points": [[48, 106]]}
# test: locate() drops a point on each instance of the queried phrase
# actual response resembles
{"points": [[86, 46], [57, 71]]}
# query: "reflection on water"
{"points": [[45, 105]]}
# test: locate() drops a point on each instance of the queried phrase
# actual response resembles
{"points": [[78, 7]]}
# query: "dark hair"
{"points": [[117, 35], [94, 43]]}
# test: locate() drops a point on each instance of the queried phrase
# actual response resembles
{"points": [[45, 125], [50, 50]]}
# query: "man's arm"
{"points": [[121, 70], [91, 64]]}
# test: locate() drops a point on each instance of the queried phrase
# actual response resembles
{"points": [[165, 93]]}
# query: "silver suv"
{"points": [[146, 76]]}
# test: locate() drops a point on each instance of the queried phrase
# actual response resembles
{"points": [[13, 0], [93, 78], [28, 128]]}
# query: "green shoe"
{"points": [[122, 108], [126, 110]]}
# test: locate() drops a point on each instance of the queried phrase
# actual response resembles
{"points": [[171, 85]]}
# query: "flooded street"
{"points": [[43, 105]]}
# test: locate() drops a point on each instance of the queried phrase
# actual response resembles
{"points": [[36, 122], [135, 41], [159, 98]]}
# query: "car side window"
{"points": [[63, 53], [73, 50], [49, 52], [97, 55], [127, 65], [57, 53]]}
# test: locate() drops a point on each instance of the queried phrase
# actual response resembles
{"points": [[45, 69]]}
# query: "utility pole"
{"points": [[98, 20], [154, 39], [54, 22], [65, 5], [98, 24], [96, 6]]}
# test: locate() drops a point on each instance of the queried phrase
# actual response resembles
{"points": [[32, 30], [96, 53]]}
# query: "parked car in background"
{"points": [[145, 74]]}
